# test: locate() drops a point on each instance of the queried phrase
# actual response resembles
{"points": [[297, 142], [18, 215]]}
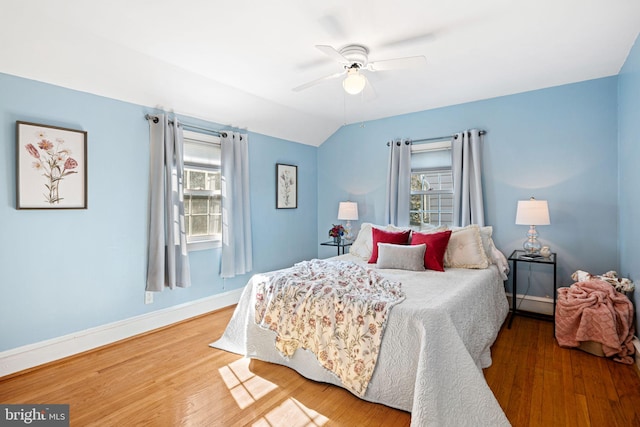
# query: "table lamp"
{"points": [[532, 212], [348, 211]]}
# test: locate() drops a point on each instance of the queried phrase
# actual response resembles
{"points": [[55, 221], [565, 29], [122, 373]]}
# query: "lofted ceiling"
{"points": [[236, 62]]}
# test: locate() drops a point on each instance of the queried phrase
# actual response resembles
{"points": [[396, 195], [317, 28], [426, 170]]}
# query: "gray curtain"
{"points": [[236, 208], [398, 184], [168, 261], [466, 166]]}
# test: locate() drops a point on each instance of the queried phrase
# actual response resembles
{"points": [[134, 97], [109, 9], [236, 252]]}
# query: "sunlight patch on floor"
{"points": [[291, 413], [245, 386]]}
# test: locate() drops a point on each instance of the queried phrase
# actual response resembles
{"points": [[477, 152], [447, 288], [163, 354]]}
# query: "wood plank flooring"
{"points": [[539, 383], [171, 377]]}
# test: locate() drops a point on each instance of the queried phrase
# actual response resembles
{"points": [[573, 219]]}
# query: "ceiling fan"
{"points": [[354, 60]]}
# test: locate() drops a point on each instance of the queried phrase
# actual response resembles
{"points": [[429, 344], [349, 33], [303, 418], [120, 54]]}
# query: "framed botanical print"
{"points": [[51, 167], [286, 186]]}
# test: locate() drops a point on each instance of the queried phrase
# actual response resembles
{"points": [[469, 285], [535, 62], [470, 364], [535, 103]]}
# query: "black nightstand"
{"points": [[341, 245], [522, 256]]}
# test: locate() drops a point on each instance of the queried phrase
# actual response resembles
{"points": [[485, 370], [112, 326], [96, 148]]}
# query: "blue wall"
{"points": [[558, 144], [629, 153], [66, 271]]}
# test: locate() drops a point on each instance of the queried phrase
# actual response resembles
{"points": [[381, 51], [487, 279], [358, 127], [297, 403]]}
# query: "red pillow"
{"points": [[382, 236], [436, 247]]}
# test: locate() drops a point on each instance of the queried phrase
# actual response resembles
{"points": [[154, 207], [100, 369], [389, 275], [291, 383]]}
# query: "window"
{"points": [[431, 198], [202, 191], [431, 185]]}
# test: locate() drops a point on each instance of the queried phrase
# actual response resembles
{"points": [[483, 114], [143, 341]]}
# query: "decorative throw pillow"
{"points": [[485, 233], [436, 244], [363, 245], [382, 236], [402, 257], [465, 249]]}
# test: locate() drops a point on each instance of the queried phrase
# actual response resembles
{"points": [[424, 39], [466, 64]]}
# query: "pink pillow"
{"points": [[382, 236], [436, 247]]}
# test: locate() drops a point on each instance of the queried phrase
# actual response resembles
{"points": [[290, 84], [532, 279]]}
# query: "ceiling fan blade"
{"points": [[369, 93], [318, 81], [332, 53], [410, 41], [398, 63]]}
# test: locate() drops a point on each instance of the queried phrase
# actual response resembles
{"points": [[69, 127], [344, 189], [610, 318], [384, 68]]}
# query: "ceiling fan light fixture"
{"points": [[354, 83]]}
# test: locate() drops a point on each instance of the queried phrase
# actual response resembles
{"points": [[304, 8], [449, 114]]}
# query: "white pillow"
{"points": [[485, 233], [430, 228], [493, 254], [499, 259], [362, 247], [363, 244], [402, 257], [395, 229], [465, 249]]}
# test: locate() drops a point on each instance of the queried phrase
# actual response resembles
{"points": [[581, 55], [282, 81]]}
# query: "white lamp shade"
{"points": [[532, 212], [354, 83], [348, 211]]}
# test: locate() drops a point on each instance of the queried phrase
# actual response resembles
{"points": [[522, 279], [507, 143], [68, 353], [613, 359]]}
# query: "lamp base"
{"points": [[532, 245], [347, 231]]}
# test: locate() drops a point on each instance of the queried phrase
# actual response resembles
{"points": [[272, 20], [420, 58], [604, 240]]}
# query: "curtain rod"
{"points": [[438, 138], [187, 125]]}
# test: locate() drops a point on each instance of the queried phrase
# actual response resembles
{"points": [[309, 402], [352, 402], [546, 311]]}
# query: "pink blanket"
{"points": [[594, 311]]}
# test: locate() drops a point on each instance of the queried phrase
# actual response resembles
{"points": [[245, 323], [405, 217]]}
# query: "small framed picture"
{"points": [[51, 167], [286, 186]]}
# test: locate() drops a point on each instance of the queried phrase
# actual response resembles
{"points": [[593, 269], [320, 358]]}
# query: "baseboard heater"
{"points": [[539, 305]]}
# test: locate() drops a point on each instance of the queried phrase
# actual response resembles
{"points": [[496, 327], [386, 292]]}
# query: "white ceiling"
{"points": [[236, 62]]}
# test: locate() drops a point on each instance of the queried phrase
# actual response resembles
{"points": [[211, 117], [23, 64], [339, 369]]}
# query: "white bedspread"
{"points": [[434, 348]]}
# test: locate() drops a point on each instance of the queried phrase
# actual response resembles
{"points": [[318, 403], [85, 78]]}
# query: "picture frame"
{"points": [[51, 167], [286, 186]]}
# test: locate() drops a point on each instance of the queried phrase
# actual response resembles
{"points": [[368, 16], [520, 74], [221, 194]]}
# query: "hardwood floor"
{"points": [[172, 377], [539, 383]]}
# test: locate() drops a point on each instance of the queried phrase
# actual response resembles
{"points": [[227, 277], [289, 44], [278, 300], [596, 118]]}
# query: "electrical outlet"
{"points": [[148, 297]]}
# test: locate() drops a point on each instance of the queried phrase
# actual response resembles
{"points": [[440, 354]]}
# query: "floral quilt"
{"points": [[336, 309]]}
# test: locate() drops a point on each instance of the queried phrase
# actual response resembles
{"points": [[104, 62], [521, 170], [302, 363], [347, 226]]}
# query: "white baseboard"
{"points": [[533, 304], [32, 355]]}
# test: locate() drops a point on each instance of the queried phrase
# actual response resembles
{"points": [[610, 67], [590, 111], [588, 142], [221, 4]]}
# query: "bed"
{"points": [[444, 327]]}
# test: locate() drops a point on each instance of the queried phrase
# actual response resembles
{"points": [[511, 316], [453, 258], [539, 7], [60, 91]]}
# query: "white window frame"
{"points": [[432, 192], [201, 242], [421, 148]]}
